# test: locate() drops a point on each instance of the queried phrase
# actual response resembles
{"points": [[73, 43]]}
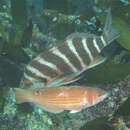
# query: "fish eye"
{"points": [[37, 92]]}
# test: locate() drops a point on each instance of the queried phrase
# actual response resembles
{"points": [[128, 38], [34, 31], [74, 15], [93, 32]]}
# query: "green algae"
{"points": [[19, 12], [3, 32], [96, 124], [63, 24], [124, 39], [119, 124], [47, 120], [11, 73], [123, 25], [4, 21], [15, 35], [111, 70], [19, 21], [1, 99], [12, 32], [124, 109], [38, 43], [119, 9], [111, 104]]}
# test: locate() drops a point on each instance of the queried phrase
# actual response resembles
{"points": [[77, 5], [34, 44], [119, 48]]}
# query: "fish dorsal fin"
{"points": [[110, 32], [63, 79], [80, 35], [98, 60]]}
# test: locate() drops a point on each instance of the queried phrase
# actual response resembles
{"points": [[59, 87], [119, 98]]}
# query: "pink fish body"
{"points": [[58, 99]]}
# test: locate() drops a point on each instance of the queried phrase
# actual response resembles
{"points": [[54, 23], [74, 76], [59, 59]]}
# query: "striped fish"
{"points": [[58, 99], [65, 62]]}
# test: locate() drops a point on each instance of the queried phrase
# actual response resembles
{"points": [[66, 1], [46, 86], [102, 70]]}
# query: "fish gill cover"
{"points": [[25, 32]]}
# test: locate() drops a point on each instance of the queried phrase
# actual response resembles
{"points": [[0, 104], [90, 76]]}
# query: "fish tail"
{"points": [[111, 33], [21, 95]]}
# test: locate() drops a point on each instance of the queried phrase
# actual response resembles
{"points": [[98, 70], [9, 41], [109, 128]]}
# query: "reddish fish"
{"points": [[67, 60], [58, 99]]}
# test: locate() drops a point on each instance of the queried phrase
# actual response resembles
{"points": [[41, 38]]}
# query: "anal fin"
{"points": [[51, 109], [63, 79], [75, 111]]}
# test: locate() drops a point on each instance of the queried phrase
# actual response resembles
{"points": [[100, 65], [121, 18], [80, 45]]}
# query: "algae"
{"points": [[124, 109], [118, 123], [120, 22], [58, 5], [124, 39], [111, 70], [96, 124], [19, 12], [61, 24], [3, 32], [1, 99], [119, 9]]}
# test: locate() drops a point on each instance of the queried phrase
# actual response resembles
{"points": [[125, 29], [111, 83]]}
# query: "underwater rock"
{"points": [[96, 124], [43, 120], [124, 109], [11, 74], [119, 123], [61, 25], [38, 43]]}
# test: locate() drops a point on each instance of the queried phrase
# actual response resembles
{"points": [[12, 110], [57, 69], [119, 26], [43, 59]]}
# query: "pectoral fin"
{"points": [[98, 60], [65, 78]]}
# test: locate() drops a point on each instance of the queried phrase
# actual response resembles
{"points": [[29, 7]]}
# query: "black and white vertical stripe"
{"points": [[74, 55]]}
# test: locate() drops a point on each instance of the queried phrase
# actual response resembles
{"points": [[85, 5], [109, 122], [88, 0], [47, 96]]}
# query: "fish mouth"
{"points": [[105, 96]]}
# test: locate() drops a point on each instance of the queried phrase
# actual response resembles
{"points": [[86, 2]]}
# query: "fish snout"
{"points": [[102, 96]]}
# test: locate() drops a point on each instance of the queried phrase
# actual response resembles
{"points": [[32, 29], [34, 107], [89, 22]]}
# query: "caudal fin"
{"points": [[111, 33], [21, 95]]}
